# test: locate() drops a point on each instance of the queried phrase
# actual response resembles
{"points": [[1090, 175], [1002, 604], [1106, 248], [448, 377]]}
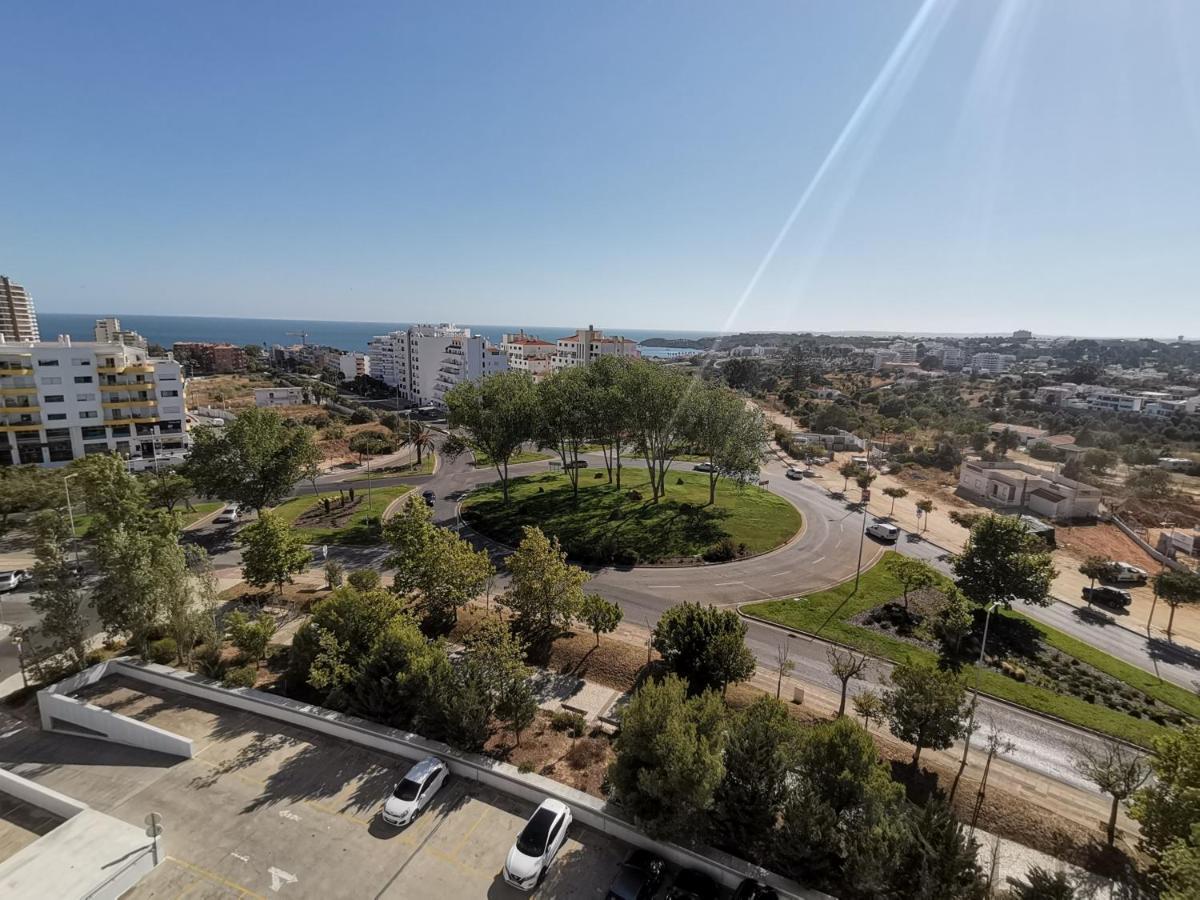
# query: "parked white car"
{"points": [[415, 791], [1125, 573], [883, 531], [537, 845], [795, 473], [10, 581], [230, 513]]}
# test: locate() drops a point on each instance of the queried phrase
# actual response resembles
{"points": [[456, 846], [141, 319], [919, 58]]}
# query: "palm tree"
{"points": [[420, 438]]}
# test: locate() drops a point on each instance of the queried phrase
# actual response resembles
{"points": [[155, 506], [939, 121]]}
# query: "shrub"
{"points": [[209, 662], [240, 676], [722, 551], [361, 416], [586, 753], [163, 651], [634, 496], [626, 557], [598, 475], [525, 768], [364, 580], [93, 657], [571, 722], [679, 480]]}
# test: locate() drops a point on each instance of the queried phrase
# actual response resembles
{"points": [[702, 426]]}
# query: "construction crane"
{"points": [[303, 335]]}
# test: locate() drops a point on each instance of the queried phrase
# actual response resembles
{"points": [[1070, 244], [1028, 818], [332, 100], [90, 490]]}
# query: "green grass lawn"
{"points": [[424, 468], [604, 524], [355, 530], [482, 460], [826, 612]]}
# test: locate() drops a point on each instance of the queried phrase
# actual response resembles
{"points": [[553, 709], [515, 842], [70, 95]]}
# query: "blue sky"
{"points": [[970, 166]]}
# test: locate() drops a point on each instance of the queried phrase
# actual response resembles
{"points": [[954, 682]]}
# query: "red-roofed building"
{"points": [[587, 345], [529, 354]]}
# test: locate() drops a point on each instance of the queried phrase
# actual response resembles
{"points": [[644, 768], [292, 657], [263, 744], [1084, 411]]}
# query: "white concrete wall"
{"points": [[589, 810], [42, 797]]}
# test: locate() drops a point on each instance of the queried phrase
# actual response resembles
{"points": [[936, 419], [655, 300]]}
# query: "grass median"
{"points": [[346, 522], [483, 461], [827, 613], [605, 524]]}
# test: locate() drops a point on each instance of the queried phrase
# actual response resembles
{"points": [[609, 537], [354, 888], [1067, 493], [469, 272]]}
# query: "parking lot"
{"points": [[267, 810]]}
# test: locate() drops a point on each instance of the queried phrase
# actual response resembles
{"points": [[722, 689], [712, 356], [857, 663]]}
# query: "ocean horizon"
{"points": [[166, 330]]}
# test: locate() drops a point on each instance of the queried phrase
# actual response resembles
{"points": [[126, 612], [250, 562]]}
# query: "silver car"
{"points": [[414, 791]]}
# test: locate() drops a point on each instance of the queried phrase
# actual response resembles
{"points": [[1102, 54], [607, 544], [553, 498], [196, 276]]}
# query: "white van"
{"points": [[883, 531]]}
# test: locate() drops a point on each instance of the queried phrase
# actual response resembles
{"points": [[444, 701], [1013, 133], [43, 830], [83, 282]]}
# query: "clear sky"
{"points": [[983, 165]]}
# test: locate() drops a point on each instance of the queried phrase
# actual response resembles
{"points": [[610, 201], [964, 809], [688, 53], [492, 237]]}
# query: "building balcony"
{"points": [[25, 426], [128, 385], [16, 391], [126, 368], [19, 408], [132, 420], [133, 401], [11, 371]]}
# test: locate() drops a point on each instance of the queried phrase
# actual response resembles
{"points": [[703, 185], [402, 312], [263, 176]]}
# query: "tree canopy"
{"points": [[1002, 562], [704, 645]]}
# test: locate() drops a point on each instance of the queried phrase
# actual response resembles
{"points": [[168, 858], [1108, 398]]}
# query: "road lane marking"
{"points": [[780, 574], [662, 585], [279, 878], [726, 583]]}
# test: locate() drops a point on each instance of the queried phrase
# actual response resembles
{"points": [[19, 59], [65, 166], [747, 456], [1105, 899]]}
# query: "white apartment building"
{"points": [[1115, 402], [906, 353], [18, 320], [108, 331], [587, 345], [352, 365], [992, 363], [883, 358], [424, 361], [279, 396], [529, 354], [60, 401], [953, 358], [1016, 486]]}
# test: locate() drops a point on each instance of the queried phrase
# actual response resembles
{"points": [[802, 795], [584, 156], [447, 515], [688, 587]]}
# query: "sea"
{"points": [[166, 330]]}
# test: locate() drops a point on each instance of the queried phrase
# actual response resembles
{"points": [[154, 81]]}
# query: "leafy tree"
{"points": [[658, 418], [1096, 567], [895, 493], [401, 678], [255, 460], [848, 470], [951, 622], [1004, 441], [938, 861], [1150, 483], [493, 673], [925, 706], [25, 489], [600, 615], [564, 423], [843, 820], [546, 591], [251, 636], [168, 489], [1003, 562], [869, 706], [1116, 770], [335, 574], [1179, 868], [56, 596], [1177, 589], [410, 533], [1168, 808], [926, 507], [371, 443], [452, 575], [420, 438], [608, 409], [496, 415], [272, 552], [669, 760], [364, 579], [845, 665], [742, 373], [704, 645], [762, 747], [913, 574], [1098, 460], [1042, 884], [728, 432]]}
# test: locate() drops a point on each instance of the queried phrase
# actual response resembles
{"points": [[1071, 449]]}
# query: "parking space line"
{"points": [[214, 877], [432, 831], [329, 810], [470, 831]]}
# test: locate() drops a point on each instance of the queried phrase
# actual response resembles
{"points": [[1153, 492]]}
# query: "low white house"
{"points": [[279, 396], [1016, 486]]}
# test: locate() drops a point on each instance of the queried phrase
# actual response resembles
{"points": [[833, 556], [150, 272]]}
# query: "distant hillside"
{"points": [[745, 339]]}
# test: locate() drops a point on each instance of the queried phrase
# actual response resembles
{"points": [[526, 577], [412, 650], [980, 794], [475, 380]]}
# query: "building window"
{"points": [[52, 380], [53, 398], [171, 410], [83, 379], [47, 362], [29, 454], [93, 449], [167, 378], [81, 362], [56, 417], [84, 398], [168, 393], [60, 451], [88, 414], [93, 433], [120, 431]]}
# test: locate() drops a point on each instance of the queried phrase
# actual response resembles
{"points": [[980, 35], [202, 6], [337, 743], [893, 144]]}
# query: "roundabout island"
{"points": [[604, 525]]}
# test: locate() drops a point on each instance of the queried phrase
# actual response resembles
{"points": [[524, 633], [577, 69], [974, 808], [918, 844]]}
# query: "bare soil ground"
{"points": [[579, 762], [1102, 539], [225, 391]]}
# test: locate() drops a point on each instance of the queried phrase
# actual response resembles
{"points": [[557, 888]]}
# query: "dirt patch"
{"points": [[1102, 539], [341, 513], [578, 762], [293, 597]]}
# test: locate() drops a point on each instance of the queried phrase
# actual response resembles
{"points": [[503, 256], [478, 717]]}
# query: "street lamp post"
{"points": [[987, 620], [862, 538], [71, 514]]}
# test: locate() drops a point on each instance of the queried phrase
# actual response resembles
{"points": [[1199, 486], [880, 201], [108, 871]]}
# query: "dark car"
{"points": [[1108, 596], [576, 464], [638, 877], [429, 497], [692, 884], [754, 890]]}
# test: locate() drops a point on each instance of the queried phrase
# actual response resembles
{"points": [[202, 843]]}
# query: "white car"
{"points": [[414, 791], [537, 844], [10, 581], [883, 531], [795, 473], [230, 513], [1124, 573]]}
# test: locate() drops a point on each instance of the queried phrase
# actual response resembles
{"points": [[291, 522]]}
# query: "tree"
{"points": [[609, 410], [401, 678], [925, 706], [1168, 808], [1003, 562], [251, 636], [564, 423], [25, 489], [848, 470], [546, 591], [669, 760], [1177, 588], [56, 596], [913, 574], [1099, 461], [168, 489], [845, 665], [728, 432], [494, 658], [704, 645], [925, 507], [1179, 869], [451, 575], [495, 415], [869, 706], [255, 460], [272, 552], [1095, 567], [783, 665], [938, 861], [762, 746], [864, 481], [601, 616], [410, 533], [1116, 770], [371, 443], [1150, 483], [419, 437], [1042, 884], [658, 419], [335, 574], [188, 597], [896, 493], [1004, 441], [950, 623]]}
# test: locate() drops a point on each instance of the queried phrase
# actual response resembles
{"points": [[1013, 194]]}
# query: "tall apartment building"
{"points": [[587, 345], [60, 401], [424, 361], [953, 358], [18, 320], [353, 365], [108, 331], [203, 358], [992, 363], [529, 354]]}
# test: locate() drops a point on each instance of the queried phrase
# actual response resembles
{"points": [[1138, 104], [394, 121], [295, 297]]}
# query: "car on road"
{"points": [[1108, 596], [231, 513], [692, 884], [704, 467], [537, 845], [13, 579], [754, 890], [415, 791], [883, 531], [638, 877], [576, 464], [795, 473], [1125, 573], [428, 497]]}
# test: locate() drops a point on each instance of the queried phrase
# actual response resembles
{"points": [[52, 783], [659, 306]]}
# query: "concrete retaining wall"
{"points": [[42, 797], [589, 810], [1145, 545]]}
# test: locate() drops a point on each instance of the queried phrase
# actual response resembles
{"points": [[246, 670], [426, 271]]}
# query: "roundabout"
{"points": [[626, 527]]}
